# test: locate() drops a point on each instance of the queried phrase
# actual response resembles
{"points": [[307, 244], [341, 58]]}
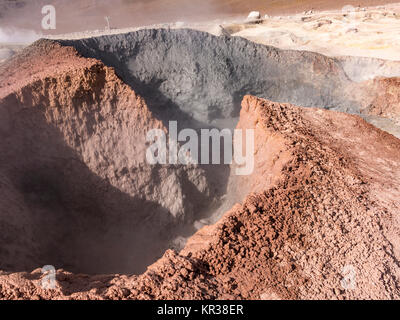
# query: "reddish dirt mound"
{"points": [[326, 201], [75, 185]]}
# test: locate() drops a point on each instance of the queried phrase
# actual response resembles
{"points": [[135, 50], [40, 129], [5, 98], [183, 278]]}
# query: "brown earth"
{"points": [[326, 197], [386, 103]]}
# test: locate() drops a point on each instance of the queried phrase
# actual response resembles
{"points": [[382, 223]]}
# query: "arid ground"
{"points": [[318, 217]]}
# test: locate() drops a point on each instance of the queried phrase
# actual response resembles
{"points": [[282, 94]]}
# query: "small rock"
{"points": [[254, 15]]}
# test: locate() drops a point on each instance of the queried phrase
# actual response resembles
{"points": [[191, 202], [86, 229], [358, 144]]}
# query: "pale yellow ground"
{"points": [[367, 32]]}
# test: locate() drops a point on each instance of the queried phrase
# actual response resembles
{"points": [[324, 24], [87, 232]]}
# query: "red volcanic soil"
{"points": [[81, 15], [60, 119], [325, 199]]}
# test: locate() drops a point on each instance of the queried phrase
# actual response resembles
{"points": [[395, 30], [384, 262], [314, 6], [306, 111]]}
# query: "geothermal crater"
{"points": [[76, 190], [190, 74]]}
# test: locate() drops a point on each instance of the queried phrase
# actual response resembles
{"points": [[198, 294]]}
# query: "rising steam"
{"points": [[14, 35]]}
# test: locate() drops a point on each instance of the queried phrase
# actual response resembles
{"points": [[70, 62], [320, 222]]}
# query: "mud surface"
{"points": [[332, 204], [77, 192]]}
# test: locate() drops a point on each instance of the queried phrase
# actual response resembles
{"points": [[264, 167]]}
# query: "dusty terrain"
{"points": [[76, 190], [332, 202], [81, 15], [83, 133]]}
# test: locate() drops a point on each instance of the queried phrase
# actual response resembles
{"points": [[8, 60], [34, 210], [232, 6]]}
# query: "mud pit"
{"points": [[204, 77], [76, 190]]}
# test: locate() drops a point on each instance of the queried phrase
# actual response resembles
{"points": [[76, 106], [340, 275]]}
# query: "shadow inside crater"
{"points": [[56, 211]]}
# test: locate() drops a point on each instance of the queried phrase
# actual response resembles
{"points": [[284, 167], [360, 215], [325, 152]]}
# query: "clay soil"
{"points": [[75, 190], [78, 15], [325, 197]]}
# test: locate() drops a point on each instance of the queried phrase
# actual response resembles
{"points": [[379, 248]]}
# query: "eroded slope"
{"points": [[333, 204], [76, 188], [205, 77]]}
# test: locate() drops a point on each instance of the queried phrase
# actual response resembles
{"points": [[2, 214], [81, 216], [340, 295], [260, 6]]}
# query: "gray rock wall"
{"points": [[205, 77]]}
